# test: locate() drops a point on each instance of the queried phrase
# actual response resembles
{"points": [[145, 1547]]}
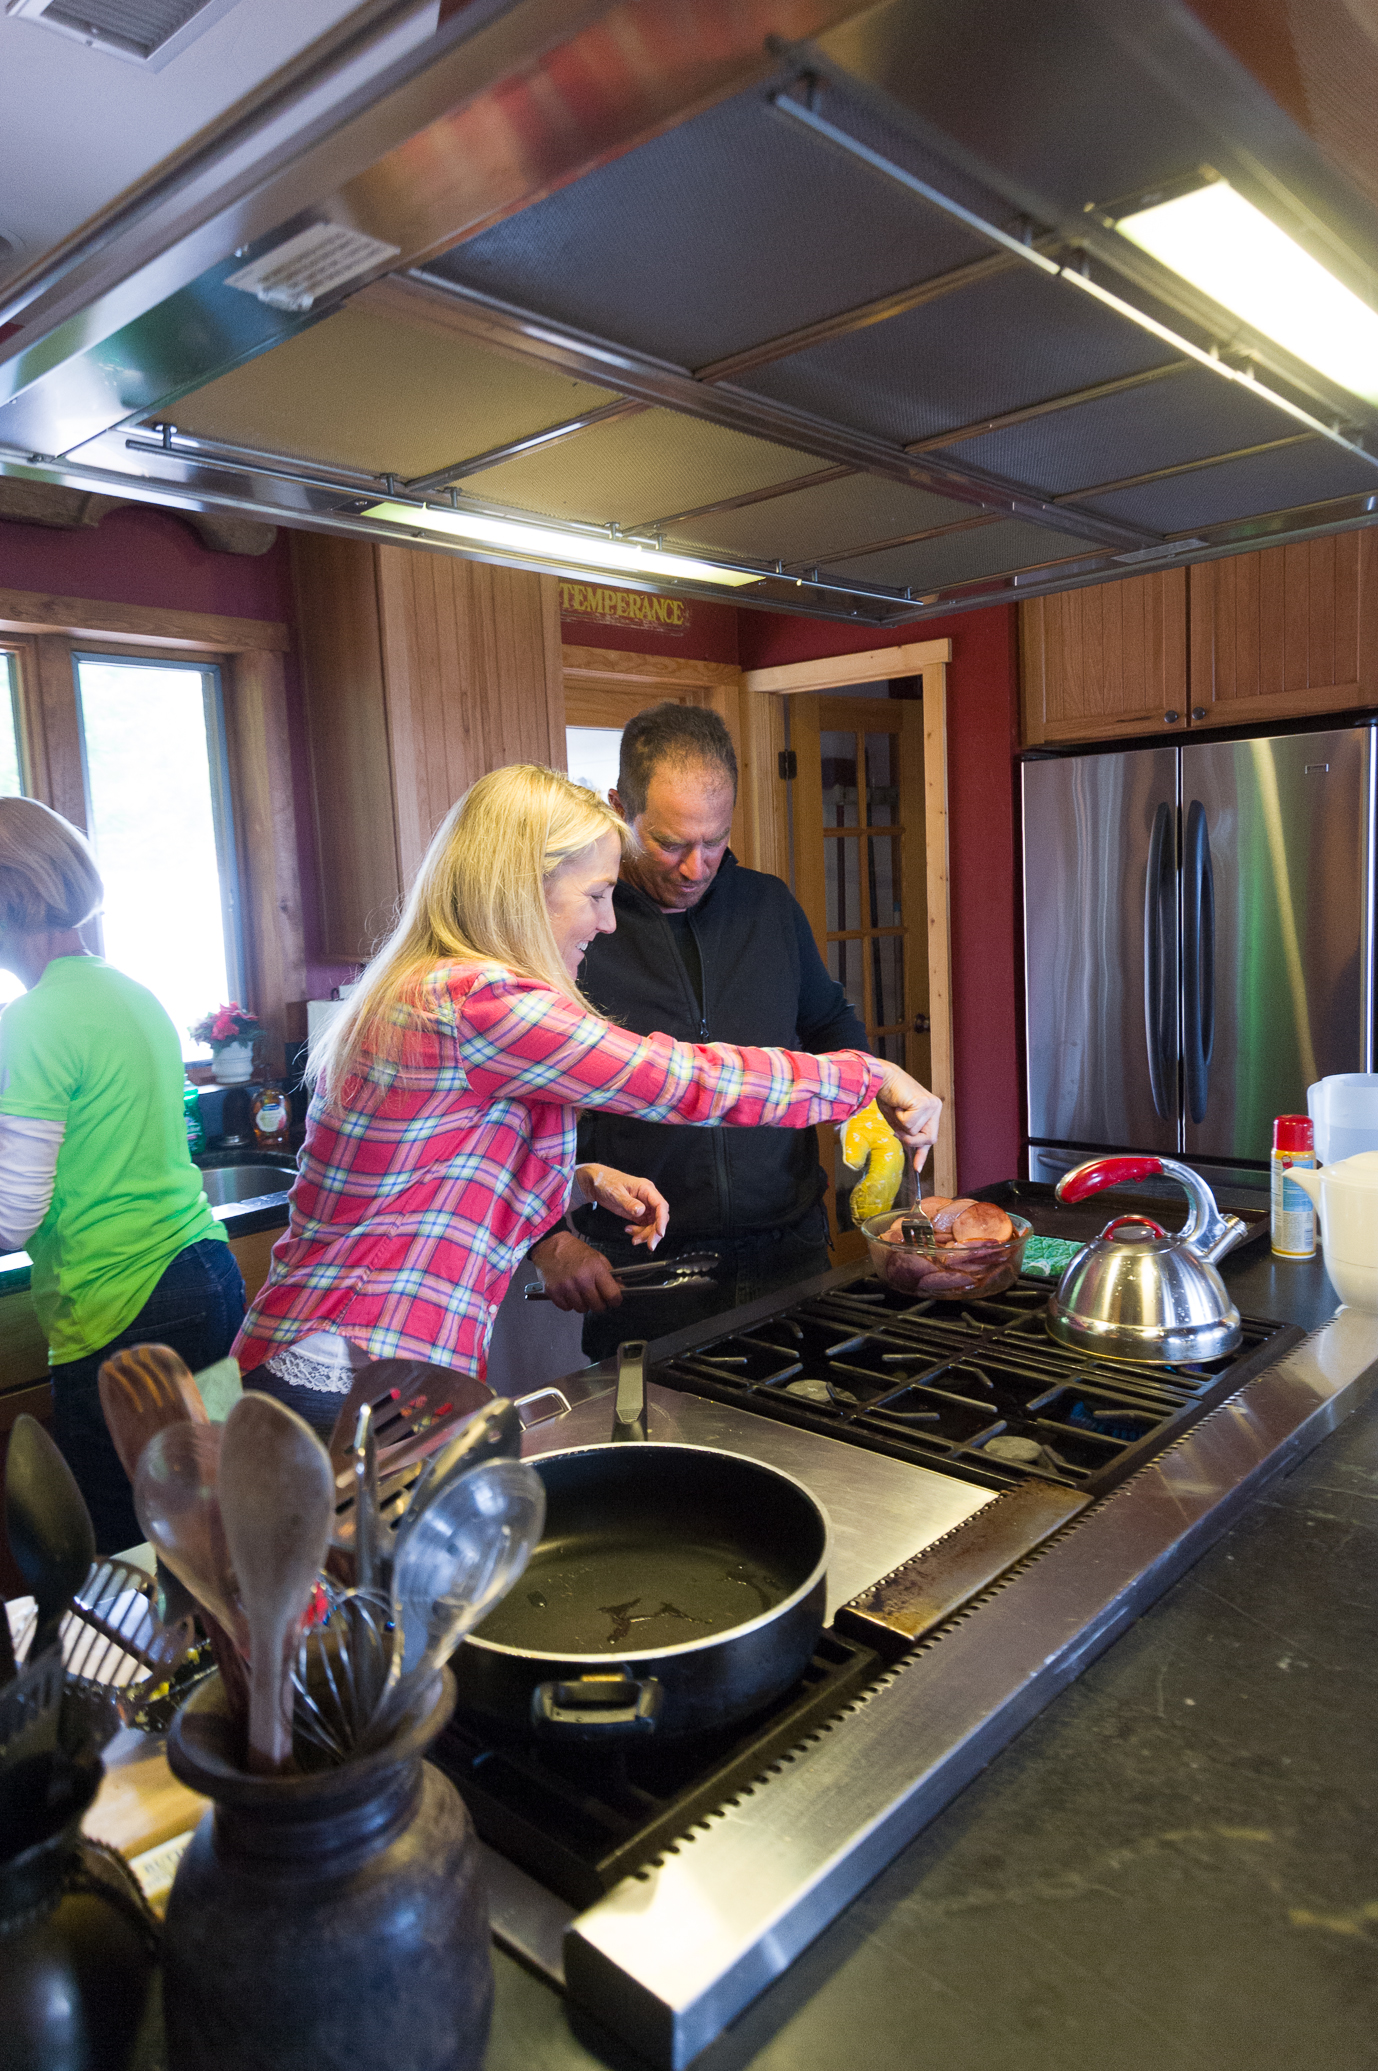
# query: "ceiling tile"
{"points": [[633, 469], [1183, 417], [998, 345], [1283, 481], [964, 556], [373, 392], [733, 228], [810, 524]]}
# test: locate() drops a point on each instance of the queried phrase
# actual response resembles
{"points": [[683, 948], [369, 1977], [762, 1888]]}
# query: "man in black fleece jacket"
{"points": [[707, 951]]}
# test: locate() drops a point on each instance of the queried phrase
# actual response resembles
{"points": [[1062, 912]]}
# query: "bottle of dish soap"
{"points": [[191, 1109], [272, 1119]]}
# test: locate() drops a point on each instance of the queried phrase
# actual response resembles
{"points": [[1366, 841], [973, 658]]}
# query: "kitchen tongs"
{"points": [[658, 1276]]}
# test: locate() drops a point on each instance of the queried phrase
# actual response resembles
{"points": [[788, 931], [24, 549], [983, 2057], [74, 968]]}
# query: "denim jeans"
{"points": [[766, 1262], [196, 1308]]}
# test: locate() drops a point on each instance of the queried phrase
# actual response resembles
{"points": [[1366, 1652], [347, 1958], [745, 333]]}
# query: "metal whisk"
{"points": [[341, 1671]]}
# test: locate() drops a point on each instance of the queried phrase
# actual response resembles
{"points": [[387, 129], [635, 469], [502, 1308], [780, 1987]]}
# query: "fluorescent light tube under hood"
{"points": [[545, 543], [1235, 254]]}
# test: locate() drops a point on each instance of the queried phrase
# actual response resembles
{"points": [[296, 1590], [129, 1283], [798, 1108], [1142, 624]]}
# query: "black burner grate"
{"points": [[580, 1820], [976, 1389]]}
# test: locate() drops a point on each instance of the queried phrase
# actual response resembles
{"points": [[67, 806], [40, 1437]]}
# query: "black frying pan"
{"points": [[676, 1588]]}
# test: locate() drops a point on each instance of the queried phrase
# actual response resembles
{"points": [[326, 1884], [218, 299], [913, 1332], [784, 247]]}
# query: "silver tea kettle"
{"points": [[1137, 1293]]}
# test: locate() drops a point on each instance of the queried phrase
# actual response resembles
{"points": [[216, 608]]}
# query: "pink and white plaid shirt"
{"points": [[421, 1189]]}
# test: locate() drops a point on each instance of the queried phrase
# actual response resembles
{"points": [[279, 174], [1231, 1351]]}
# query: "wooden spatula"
{"points": [[142, 1390], [277, 1500]]}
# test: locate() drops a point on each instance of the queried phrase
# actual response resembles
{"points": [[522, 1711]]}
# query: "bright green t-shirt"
{"points": [[89, 1048]]}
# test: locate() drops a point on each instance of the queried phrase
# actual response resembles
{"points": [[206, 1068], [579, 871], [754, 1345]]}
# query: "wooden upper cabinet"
{"points": [[1285, 633], [422, 671], [1105, 661]]}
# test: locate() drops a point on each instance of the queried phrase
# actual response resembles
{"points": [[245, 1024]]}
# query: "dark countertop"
{"points": [[1172, 1869], [238, 1219]]}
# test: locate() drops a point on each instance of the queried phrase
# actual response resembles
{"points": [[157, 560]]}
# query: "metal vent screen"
{"points": [[710, 238], [144, 32]]}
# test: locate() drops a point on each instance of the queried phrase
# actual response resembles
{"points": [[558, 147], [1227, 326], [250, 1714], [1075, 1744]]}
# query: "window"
{"points": [[591, 753], [11, 769], [11, 774], [158, 813]]}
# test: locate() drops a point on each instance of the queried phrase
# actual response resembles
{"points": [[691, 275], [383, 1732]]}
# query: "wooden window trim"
{"points": [[82, 619], [43, 633]]}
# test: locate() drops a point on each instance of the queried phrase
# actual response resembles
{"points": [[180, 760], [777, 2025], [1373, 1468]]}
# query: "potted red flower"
{"points": [[230, 1032]]}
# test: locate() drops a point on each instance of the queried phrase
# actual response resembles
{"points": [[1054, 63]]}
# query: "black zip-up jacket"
{"points": [[764, 984]]}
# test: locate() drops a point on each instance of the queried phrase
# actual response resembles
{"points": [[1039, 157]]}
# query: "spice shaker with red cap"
{"points": [[1294, 1217]]}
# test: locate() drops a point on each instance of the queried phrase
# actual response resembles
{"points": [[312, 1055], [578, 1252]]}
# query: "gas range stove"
{"points": [[969, 1582], [976, 1389]]}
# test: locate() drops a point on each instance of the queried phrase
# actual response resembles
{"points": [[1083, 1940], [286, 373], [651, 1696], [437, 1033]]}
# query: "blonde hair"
{"points": [[48, 875], [479, 896]]}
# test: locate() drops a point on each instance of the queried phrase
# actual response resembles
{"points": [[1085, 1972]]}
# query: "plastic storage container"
{"points": [[1344, 1110]]}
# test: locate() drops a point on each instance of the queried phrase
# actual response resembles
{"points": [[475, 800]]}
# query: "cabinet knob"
{"points": [[1198, 711], [922, 1024], [1171, 718]]}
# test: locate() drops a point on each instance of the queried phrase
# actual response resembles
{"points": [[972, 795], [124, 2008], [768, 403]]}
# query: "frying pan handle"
{"points": [[597, 1707], [1104, 1172], [629, 1413], [560, 1406]]}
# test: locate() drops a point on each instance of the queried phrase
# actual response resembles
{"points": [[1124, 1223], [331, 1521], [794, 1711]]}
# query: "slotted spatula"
{"points": [[142, 1390]]}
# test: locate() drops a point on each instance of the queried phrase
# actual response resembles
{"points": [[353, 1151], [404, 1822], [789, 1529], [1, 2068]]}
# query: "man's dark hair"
{"points": [[680, 735]]}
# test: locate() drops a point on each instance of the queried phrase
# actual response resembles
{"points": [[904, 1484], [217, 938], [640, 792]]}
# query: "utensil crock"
{"points": [[78, 1946], [1136, 1293], [320, 1922]]}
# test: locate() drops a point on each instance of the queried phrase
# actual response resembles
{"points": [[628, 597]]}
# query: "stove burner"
{"points": [[581, 1819], [978, 1389]]}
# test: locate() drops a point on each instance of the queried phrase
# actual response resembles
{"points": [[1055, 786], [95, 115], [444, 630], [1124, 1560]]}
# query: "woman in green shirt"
{"points": [[95, 1176]]}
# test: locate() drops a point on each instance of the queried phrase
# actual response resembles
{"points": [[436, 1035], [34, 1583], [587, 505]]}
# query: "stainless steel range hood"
{"points": [[673, 1954], [784, 285]]}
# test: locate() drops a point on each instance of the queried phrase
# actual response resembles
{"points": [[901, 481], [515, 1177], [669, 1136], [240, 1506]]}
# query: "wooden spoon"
{"points": [[177, 1503], [142, 1391], [277, 1499]]}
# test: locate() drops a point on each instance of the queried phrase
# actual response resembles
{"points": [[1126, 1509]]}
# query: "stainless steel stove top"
{"points": [[881, 1511], [677, 1949]]}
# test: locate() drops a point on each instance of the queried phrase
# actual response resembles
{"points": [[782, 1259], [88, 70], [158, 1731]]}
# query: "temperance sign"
{"points": [[597, 604]]}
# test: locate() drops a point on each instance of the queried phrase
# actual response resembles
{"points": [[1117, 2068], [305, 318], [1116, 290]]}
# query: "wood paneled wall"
{"points": [[422, 671], [1286, 631], [1107, 660], [354, 823], [471, 659], [261, 783]]}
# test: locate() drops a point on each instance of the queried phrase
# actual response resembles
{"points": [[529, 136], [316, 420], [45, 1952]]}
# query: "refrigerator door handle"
{"points": [[1159, 982], [1198, 959]]}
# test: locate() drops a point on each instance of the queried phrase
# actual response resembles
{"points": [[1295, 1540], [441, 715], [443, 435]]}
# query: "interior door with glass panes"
{"points": [[859, 873]]}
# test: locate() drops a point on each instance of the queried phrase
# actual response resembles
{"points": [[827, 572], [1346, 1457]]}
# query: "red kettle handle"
{"points": [[1104, 1172]]}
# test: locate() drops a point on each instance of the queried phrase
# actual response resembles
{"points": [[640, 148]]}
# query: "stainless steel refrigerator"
{"points": [[1199, 943]]}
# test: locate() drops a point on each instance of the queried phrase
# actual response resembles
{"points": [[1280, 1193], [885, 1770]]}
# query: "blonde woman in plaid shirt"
{"points": [[440, 1140]]}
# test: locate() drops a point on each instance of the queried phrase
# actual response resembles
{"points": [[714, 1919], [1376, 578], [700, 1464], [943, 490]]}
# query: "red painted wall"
{"points": [[982, 720], [144, 556]]}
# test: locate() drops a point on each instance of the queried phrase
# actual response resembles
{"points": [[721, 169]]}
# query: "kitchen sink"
{"points": [[228, 1184]]}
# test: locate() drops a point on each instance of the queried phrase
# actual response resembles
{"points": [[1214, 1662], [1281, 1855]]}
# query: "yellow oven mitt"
{"points": [[869, 1140]]}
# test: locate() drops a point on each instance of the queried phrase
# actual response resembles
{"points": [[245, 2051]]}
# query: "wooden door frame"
{"points": [[928, 659], [760, 825]]}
